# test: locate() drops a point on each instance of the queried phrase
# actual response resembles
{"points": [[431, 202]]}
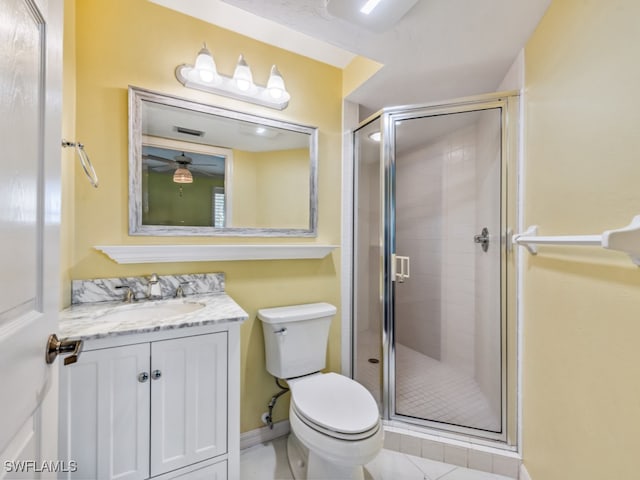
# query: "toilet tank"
{"points": [[295, 338]]}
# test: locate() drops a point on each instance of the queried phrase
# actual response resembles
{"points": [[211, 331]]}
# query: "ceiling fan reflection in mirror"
{"points": [[181, 165]]}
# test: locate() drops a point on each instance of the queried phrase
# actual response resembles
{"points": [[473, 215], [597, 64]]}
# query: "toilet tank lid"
{"points": [[294, 313]]}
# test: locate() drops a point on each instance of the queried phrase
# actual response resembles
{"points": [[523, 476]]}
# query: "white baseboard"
{"points": [[264, 434], [524, 475]]}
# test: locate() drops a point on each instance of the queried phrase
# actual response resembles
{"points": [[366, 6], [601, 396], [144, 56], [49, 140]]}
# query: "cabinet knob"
{"points": [[143, 377], [156, 374]]}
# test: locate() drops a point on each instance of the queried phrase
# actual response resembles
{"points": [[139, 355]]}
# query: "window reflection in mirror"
{"points": [[196, 169]]}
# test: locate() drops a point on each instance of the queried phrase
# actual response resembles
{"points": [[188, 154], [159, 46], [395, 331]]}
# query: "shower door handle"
{"points": [[401, 268], [483, 239]]}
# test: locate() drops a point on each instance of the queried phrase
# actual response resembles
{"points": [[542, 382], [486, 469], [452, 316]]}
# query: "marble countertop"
{"points": [[90, 321]]}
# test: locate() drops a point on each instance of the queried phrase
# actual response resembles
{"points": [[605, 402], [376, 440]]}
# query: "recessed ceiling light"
{"points": [[368, 7], [374, 15]]}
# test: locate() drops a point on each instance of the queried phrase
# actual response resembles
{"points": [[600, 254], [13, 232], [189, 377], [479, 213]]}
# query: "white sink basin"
{"points": [[149, 312]]}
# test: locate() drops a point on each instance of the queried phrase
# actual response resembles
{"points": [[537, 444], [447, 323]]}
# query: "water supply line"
{"points": [[267, 418]]}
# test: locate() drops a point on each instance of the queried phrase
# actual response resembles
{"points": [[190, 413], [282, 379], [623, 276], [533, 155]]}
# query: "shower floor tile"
{"points": [[427, 388]]}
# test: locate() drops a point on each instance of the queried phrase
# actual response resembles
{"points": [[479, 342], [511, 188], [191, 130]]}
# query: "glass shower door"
{"points": [[447, 366], [434, 327], [367, 347]]}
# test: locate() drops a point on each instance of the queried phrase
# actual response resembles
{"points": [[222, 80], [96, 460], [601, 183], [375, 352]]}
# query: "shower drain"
{"points": [[373, 360]]}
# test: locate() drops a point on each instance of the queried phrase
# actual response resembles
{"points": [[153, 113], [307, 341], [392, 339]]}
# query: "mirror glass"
{"points": [[197, 169]]}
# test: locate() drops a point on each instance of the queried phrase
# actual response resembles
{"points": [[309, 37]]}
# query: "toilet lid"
{"points": [[335, 402]]}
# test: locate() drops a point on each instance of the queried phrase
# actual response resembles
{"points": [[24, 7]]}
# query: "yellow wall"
{"points": [[135, 42], [244, 212], [68, 168], [272, 189], [359, 70], [581, 403], [284, 185]]}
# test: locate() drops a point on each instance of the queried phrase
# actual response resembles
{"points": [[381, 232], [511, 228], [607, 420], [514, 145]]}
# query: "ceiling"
{"points": [[441, 49], [165, 121]]}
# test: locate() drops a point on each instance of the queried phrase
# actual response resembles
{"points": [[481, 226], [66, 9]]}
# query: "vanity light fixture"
{"points": [[203, 75]]}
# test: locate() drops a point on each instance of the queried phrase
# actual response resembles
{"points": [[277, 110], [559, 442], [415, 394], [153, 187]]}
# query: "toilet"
{"points": [[335, 422]]}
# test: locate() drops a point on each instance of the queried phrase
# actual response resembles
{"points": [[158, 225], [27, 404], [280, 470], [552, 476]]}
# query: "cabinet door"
{"points": [[188, 401], [105, 414]]}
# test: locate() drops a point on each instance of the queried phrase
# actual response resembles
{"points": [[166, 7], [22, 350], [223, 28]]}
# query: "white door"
{"points": [[188, 401], [104, 417], [30, 135]]}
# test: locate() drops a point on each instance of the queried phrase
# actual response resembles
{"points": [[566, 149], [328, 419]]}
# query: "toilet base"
{"points": [[298, 455], [306, 465]]}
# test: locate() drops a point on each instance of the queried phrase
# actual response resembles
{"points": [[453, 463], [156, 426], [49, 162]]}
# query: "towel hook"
{"points": [[89, 171]]}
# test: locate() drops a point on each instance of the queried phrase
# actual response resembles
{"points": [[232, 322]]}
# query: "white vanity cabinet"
{"points": [[160, 405], [104, 410], [188, 401]]}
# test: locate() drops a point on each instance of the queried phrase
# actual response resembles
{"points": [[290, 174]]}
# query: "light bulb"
{"points": [[242, 75], [205, 66], [275, 85]]}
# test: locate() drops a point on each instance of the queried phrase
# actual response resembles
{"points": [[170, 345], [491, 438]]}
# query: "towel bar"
{"points": [[625, 239]]}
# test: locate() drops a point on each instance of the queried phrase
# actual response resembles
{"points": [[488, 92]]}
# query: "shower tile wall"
{"points": [[437, 304], [419, 236], [487, 265], [458, 250], [368, 300], [368, 346], [447, 190]]}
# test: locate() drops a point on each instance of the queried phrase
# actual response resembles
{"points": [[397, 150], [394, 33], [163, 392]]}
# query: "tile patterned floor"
{"points": [[268, 461], [427, 388]]}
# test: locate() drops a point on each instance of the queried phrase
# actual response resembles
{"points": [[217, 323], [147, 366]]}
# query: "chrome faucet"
{"points": [[180, 289], [129, 296], [153, 287]]}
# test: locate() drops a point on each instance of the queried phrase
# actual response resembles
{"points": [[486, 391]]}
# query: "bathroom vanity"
{"points": [[155, 391]]}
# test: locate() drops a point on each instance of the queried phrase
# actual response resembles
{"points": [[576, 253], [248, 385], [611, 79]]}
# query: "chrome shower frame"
{"points": [[508, 103]]}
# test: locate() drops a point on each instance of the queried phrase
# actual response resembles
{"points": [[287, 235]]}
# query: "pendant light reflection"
{"points": [[203, 75], [375, 136], [182, 175]]}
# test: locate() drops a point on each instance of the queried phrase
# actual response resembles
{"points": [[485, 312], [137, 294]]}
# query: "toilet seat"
{"points": [[333, 433], [335, 405]]}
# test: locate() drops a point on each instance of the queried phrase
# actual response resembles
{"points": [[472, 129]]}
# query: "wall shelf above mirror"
{"points": [[200, 170]]}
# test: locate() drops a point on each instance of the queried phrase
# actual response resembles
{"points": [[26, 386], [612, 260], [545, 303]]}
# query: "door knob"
{"points": [[56, 347], [156, 374], [143, 377]]}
